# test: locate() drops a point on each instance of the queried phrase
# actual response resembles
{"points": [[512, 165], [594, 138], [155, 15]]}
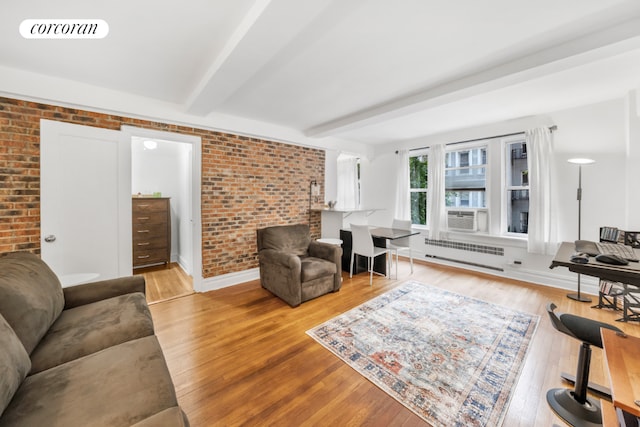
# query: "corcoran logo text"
{"points": [[64, 29]]}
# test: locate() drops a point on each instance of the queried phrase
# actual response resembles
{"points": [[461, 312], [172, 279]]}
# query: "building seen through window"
{"points": [[467, 174], [517, 177], [465, 178]]}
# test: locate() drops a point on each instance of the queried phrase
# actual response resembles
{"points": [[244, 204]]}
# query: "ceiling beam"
{"points": [[260, 37], [196, 102]]}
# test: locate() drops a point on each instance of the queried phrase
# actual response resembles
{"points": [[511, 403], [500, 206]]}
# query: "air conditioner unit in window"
{"points": [[462, 220]]}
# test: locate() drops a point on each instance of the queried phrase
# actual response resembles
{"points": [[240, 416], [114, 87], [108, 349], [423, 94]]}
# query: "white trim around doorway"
{"points": [[196, 220]]}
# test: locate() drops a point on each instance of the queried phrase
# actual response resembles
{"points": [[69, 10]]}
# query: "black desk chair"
{"points": [[573, 406]]}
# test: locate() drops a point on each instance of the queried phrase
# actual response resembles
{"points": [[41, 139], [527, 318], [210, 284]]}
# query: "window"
{"points": [[471, 170], [517, 187], [348, 174], [418, 167], [465, 178]]}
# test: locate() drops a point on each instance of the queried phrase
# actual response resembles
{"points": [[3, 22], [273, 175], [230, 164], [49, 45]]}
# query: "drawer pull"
{"points": [[143, 206], [144, 244], [143, 218], [143, 256], [143, 231]]}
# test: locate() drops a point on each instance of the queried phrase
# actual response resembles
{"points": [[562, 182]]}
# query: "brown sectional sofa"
{"points": [[79, 356]]}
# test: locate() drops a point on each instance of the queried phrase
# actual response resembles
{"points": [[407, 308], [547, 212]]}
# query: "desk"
{"points": [[621, 358], [391, 233], [629, 274], [380, 236]]}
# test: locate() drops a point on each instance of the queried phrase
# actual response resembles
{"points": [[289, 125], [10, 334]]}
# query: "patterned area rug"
{"points": [[451, 359]]}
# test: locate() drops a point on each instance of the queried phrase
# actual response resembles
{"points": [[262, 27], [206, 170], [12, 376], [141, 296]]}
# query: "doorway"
{"points": [[86, 189], [167, 165]]}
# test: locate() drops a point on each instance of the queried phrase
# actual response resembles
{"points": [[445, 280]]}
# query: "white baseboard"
{"points": [[230, 279], [588, 285]]}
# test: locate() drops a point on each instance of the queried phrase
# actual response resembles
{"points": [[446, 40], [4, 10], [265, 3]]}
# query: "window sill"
{"points": [[504, 240], [482, 238]]}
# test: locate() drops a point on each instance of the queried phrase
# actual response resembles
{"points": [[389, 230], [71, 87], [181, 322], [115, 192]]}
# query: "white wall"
{"points": [[330, 175], [633, 160], [166, 170], [599, 131]]}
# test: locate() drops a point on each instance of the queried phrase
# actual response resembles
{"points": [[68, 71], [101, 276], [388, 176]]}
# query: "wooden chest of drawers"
{"points": [[151, 231]]}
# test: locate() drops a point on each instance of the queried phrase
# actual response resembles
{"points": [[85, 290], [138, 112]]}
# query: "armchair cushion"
{"points": [[31, 296], [314, 268], [293, 239]]}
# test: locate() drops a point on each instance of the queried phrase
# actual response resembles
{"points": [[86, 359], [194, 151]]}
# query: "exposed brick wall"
{"points": [[247, 183]]}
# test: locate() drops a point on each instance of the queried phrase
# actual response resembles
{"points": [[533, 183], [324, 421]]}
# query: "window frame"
{"points": [[496, 164], [469, 146], [425, 190], [509, 186]]}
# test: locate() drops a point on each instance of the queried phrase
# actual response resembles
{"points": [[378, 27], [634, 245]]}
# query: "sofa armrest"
{"points": [[284, 259], [326, 251], [330, 253], [280, 273], [87, 293]]}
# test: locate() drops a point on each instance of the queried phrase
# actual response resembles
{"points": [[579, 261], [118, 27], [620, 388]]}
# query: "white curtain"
{"points": [[403, 198], [542, 231], [347, 182], [436, 212]]}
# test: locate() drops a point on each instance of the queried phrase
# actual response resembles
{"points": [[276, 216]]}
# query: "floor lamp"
{"points": [[577, 296]]}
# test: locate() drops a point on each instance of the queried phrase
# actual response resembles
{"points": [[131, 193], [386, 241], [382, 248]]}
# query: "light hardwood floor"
{"points": [[165, 282], [240, 356]]}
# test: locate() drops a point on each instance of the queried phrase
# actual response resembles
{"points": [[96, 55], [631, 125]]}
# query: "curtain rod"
{"points": [[551, 128]]}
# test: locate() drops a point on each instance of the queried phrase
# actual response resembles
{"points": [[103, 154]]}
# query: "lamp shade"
{"points": [[581, 161]]}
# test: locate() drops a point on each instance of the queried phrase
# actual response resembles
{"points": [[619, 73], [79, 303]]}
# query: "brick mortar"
{"points": [[246, 183]]}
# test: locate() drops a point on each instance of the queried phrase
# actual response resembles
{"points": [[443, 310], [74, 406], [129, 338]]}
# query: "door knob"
{"points": [[50, 238]]}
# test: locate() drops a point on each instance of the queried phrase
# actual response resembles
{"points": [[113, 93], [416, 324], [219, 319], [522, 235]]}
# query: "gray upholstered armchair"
{"points": [[295, 268]]}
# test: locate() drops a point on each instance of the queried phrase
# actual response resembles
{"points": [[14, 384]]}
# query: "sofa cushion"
{"points": [[118, 386], [169, 417], [293, 239], [30, 296], [92, 327], [14, 363], [313, 268]]}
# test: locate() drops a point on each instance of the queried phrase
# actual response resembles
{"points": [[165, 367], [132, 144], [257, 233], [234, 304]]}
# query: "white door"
{"points": [[85, 180]]}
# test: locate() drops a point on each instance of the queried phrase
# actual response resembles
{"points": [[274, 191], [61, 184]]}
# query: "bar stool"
{"points": [[573, 406]]}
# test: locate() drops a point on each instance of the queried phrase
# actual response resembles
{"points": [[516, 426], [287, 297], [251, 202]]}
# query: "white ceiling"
{"points": [[357, 71]]}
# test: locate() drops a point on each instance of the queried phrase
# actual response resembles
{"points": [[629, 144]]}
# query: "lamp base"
{"points": [[578, 297]]}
